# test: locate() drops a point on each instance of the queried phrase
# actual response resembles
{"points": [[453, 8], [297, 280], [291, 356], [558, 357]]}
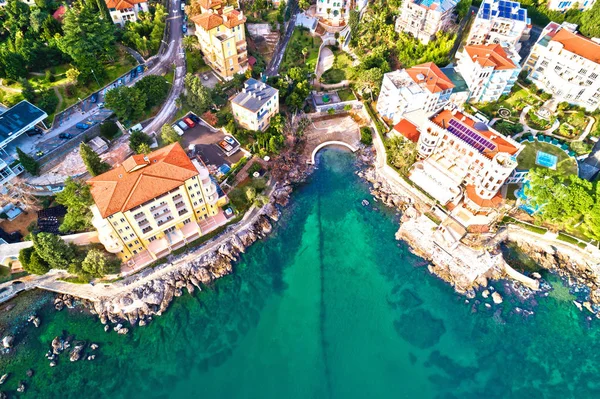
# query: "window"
{"points": [[122, 220], [153, 238], [120, 231], [136, 242], [186, 221]]}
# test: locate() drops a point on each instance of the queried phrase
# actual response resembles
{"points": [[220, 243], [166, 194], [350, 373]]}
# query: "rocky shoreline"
{"points": [[142, 303], [579, 272]]}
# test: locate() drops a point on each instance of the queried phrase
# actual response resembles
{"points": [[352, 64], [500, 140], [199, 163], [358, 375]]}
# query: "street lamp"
{"points": [[93, 73]]}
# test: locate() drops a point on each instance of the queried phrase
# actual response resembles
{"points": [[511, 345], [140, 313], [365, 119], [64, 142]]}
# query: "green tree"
{"points": [[140, 142], [169, 135], [53, 250], [98, 264], [72, 74], [155, 88], [462, 8], [198, 96], [128, 103], [27, 91], [250, 194], [277, 123], [28, 162], [87, 39], [304, 4], [366, 135], [93, 163], [590, 21], [76, 197], [369, 81], [31, 261]]}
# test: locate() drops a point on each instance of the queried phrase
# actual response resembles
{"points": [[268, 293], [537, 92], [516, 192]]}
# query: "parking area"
{"points": [[206, 140], [209, 79], [40, 145]]}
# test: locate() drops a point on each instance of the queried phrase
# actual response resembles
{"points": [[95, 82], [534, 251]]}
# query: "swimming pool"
{"points": [[547, 160]]}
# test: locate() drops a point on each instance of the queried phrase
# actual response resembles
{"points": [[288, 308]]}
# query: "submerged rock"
{"points": [[8, 341], [29, 373], [4, 378], [76, 353]]}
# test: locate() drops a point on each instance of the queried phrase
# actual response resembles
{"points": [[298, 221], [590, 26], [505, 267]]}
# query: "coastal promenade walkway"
{"points": [[51, 282]]}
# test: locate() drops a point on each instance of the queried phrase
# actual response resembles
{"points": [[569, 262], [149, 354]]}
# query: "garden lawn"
{"points": [[526, 159], [341, 70], [301, 39], [516, 101], [346, 95]]}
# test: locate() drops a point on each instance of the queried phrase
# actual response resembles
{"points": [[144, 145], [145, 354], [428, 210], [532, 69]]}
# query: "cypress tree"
{"points": [[92, 161]]}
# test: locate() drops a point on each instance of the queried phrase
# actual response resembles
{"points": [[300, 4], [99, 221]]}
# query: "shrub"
{"points": [[366, 135]]}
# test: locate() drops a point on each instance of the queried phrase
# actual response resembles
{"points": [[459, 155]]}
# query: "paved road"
{"points": [[273, 67], [171, 53]]}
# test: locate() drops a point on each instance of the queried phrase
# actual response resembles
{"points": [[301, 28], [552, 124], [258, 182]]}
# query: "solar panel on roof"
{"points": [[469, 136]]}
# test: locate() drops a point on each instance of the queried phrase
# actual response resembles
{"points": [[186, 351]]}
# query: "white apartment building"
{"points": [[562, 5], [500, 22], [254, 106], [336, 12], [122, 11], [488, 70], [422, 87], [424, 18], [566, 65], [463, 161]]}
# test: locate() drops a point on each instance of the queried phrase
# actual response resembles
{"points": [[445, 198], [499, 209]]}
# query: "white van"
{"points": [[178, 129], [135, 128]]}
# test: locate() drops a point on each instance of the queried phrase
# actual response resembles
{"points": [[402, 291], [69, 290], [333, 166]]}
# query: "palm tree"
{"points": [[304, 53]]}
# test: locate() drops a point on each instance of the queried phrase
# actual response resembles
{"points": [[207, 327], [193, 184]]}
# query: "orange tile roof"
{"points": [[434, 79], [208, 4], [119, 190], [408, 130], [483, 203], [502, 144], [578, 44], [123, 4], [211, 20], [207, 21], [490, 55]]}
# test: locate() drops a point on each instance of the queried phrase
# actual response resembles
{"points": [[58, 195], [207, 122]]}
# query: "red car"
{"points": [[189, 122]]}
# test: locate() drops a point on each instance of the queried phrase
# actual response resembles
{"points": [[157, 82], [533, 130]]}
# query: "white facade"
{"points": [[566, 65], [335, 11], [562, 5], [401, 93], [121, 16], [424, 18], [488, 71], [453, 164], [500, 22]]}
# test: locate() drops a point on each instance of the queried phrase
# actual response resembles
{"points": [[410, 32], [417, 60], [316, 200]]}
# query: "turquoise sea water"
{"points": [[329, 306]]}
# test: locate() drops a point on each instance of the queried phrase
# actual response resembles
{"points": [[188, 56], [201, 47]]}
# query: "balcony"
{"points": [[165, 220], [158, 207]]}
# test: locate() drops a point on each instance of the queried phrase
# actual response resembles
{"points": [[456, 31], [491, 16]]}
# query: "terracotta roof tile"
{"points": [[207, 21], [119, 190], [408, 130], [208, 4], [490, 55], [483, 203], [123, 4], [578, 44], [431, 76]]}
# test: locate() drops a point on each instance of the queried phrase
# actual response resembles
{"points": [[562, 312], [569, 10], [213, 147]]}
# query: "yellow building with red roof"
{"points": [[152, 204], [221, 33]]}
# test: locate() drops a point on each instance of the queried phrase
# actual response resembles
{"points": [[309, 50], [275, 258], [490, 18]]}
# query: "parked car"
{"points": [[205, 76], [82, 125], [140, 69], [194, 118], [230, 140], [184, 28], [225, 146], [100, 105], [94, 98], [189, 122], [183, 125], [178, 129], [34, 132], [65, 136], [135, 128], [182, 6], [120, 82], [228, 212], [133, 74]]}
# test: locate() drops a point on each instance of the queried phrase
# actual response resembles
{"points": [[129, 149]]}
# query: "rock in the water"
{"points": [[53, 364], [487, 305], [7, 342], [94, 347], [579, 306], [76, 353], [496, 297], [123, 331], [485, 293], [21, 387], [57, 345], [3, 395], [36, 322], [91, 357], [4, 378], [536, 275], [106, 328], [29, 373]]}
